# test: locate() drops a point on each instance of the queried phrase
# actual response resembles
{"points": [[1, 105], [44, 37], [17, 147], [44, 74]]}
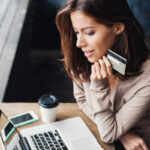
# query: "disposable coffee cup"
{"points": [[48, 107]]}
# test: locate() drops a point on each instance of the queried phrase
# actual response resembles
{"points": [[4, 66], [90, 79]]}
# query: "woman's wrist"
{"points": [[98, 85]]}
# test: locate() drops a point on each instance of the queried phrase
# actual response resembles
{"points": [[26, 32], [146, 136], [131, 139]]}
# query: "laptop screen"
{"points": [[8, 133]]}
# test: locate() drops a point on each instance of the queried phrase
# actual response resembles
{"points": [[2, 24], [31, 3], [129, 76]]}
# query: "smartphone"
{"points": [[7, 131], [23, 118], [118, 62]]}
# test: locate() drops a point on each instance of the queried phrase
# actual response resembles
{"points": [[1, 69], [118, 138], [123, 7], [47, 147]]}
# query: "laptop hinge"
{"points": [[24, 144]]}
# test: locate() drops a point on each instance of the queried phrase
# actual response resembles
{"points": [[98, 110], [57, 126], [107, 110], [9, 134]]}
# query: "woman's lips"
{"points": [[88, 53]]}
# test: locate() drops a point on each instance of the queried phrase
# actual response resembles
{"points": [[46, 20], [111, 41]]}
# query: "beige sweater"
{"points": [[127, 107]]}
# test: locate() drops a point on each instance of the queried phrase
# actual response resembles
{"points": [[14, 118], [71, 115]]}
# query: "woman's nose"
{"points": [[80, 42]]}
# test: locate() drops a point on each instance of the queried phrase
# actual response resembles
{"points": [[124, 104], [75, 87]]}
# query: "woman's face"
{"points": [[93, 38]]}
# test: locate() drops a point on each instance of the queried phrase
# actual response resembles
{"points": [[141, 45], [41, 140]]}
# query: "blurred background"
{"points": [[30, 49]]}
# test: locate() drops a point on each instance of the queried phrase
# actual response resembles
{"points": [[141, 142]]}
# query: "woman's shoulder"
{"points": [[145, 68], [144, 77], [134, 84], [141, 79]]}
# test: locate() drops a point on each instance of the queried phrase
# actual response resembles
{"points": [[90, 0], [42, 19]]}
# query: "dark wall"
{"points": [[36, 69]]}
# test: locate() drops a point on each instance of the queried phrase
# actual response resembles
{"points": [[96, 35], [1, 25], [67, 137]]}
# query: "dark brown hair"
{"points": [[129, 44]]}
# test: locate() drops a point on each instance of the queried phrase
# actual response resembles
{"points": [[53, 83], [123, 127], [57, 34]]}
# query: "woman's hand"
{"points": [[101, 69], [133, 142]]}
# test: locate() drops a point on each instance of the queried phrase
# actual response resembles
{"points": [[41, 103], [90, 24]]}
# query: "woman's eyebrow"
{"points": [[89, 27]]}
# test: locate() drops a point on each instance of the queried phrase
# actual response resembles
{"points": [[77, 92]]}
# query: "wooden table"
{"points": [[64, 111]]}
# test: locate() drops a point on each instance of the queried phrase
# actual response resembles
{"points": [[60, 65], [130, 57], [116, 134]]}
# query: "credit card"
{"points": [[118, 62]]}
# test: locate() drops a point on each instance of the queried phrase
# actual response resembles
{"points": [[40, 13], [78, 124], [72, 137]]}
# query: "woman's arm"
{"points": [[81, 100], [113, 125]]}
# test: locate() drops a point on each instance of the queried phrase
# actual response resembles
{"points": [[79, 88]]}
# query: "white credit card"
{"points": [[118, 62]]}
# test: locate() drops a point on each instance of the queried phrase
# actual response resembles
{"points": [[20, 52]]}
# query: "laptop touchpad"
{"points": [[83, 144]]}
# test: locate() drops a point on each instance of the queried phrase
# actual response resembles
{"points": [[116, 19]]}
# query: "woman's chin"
{"points": [[93, 60]]}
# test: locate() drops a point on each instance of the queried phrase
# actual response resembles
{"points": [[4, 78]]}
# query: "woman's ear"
{"points": [[119, 28]]}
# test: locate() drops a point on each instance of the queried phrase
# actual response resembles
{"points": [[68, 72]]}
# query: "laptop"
{"points": [[68, 134]]}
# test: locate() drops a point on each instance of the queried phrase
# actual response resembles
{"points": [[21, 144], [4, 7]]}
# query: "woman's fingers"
{"points": [[144, 147], [108, 65], [98, 70], [133, 142], [140, 147], [93, 72], [103, 68]]}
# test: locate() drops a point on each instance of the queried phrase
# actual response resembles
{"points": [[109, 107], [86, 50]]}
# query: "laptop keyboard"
{"points": [[50, 140], [16, 148]]}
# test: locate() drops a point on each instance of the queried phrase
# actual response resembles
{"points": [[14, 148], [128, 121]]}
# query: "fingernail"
{"points": [[99, 77], [104, 57], [100, 60]]}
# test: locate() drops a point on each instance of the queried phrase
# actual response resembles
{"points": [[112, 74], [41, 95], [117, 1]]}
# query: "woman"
{"points": [[118, 104]]}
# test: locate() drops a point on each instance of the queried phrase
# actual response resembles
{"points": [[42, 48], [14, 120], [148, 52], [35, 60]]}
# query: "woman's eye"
{"points": [[90, 33], [76, 32]]}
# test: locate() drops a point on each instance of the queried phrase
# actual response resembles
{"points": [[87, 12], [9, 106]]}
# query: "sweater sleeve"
{"points": [[81, 100], [112, 125]]}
